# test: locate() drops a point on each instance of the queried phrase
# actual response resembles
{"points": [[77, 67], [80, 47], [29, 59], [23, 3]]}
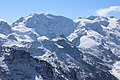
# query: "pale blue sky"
{"points": [[11, 10]]}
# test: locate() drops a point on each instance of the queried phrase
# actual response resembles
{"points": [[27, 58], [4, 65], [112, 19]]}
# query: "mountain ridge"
{"points": [[82, 45]]}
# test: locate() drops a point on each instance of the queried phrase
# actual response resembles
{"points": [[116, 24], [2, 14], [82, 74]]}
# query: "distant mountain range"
{"points": [[48, 47]]}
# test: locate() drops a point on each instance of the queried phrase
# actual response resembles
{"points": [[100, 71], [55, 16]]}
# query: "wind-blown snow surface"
{"points": [[81, 49]]}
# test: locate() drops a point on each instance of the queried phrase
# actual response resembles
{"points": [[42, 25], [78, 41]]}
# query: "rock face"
{"points": [[5, 28], [19, 65], [49, 47]]}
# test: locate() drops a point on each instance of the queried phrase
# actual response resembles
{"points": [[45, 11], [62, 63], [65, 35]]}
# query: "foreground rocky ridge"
{"points": [[80, 49], [18, 64]]}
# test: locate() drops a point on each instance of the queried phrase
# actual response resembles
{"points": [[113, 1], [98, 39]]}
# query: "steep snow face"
{"points": [[47, 25], [5, 28]]}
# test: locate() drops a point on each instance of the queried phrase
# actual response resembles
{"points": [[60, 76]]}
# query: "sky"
{"points": [[12, 10]]}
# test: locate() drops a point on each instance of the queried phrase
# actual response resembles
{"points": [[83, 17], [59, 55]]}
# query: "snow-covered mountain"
{"points": [[46, 24], [48, 47]]}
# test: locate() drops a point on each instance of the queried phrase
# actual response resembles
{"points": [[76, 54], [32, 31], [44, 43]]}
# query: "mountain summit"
{"points": [[47, 25]]}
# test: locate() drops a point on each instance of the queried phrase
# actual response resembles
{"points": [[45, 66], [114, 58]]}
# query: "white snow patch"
{"points": [[2, 36], [59, 46], [42, 38], [116, 70], [87, 42], [13, 43], [21, 28]]}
